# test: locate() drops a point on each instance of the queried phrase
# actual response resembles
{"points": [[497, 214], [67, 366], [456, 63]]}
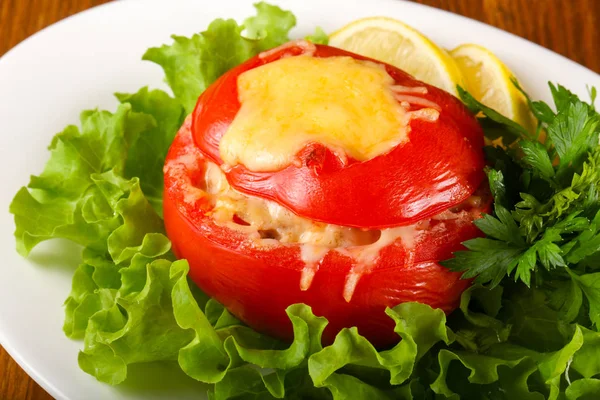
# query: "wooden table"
{"points": [[567, 27]]}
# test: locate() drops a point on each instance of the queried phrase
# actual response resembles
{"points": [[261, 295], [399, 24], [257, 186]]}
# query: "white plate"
{"points": [[77, 64]]}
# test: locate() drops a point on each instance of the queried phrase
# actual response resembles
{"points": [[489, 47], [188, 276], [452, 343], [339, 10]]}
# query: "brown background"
{"points": [[567, 27]]}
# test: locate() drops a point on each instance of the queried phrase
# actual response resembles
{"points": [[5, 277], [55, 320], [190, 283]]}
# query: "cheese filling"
{"points": [[266, 222], [342, 103]]}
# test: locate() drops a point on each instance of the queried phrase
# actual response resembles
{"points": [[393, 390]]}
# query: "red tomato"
{"points": [[439, 167], [256, 280]]}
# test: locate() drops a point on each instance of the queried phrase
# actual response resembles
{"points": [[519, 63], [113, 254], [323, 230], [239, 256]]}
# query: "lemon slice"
{"points": [[489, 81], [398, 44]]}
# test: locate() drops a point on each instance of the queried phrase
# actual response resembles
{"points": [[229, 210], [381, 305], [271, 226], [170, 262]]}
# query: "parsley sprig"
{"points": [[546, 221]]}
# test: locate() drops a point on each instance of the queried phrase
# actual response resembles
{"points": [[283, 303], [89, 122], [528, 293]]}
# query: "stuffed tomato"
{"points": [[312, 175]]}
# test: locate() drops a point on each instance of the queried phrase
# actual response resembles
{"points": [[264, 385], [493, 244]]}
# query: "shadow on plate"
{"points": [[56, 254], [161, 380]]}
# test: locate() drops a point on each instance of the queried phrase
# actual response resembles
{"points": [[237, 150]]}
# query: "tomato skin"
{"points": [[439, 167], [256, 281]]}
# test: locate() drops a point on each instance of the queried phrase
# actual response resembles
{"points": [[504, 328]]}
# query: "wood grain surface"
{"points": [[567, 27]]}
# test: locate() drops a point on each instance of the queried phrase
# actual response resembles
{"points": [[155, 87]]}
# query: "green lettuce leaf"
{"points": [[147, 154], [192, 64], [63, 201], [419, 326], [137, 327], [319, 36], [583, 389]]}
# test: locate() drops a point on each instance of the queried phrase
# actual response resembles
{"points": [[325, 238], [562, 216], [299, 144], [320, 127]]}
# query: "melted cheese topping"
{"points": [[345, 104], [366, 256]]}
